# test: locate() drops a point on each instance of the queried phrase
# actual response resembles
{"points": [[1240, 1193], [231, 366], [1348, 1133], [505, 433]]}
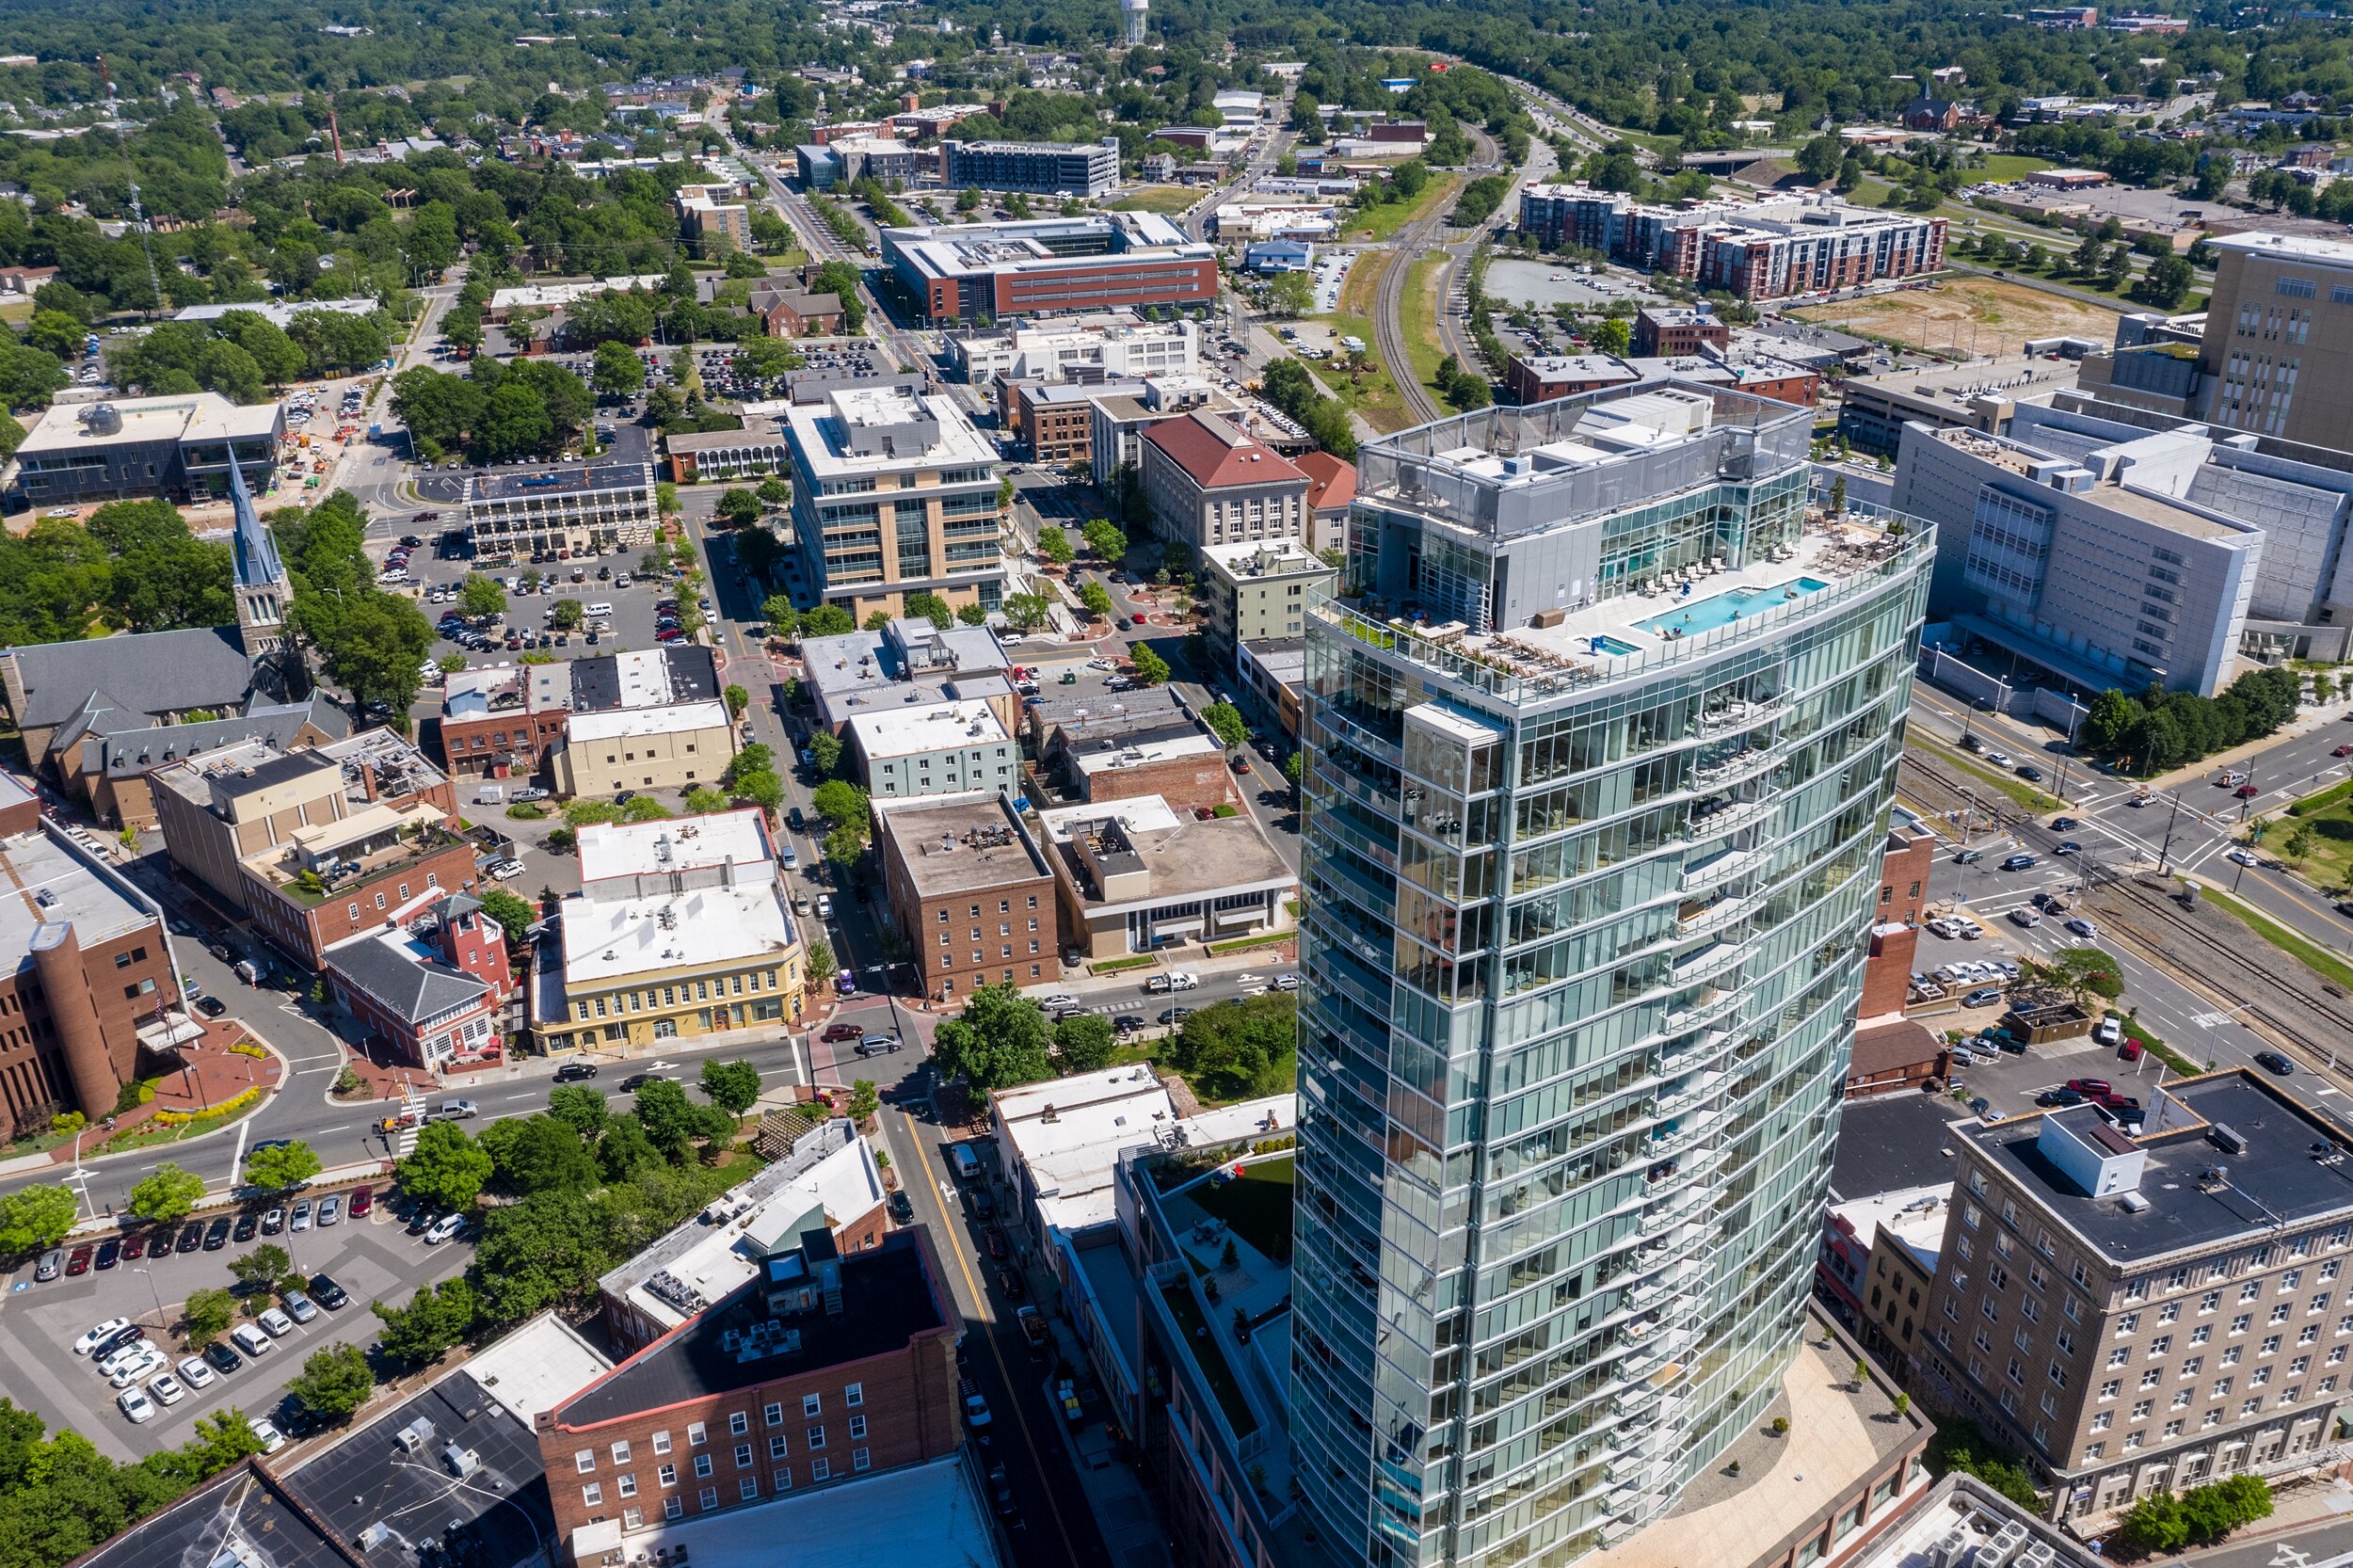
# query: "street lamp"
{"points": [[156, 1291]]}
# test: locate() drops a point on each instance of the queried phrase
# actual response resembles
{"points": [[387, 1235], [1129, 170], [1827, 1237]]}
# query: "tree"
{"points": [[544, 1252], [261, 1267], [1820, 159], [569, 613], [624, 1149], [578, 1106], [2085, 972], [1028, 612], [864, 1101], [446, 1168], [702, 799], [1095, 599], [538, 1154], [1054, 545], [437, 1317], [1290, 295], [167, 1196], [480, 597], [206, 1316], [616, 371], [929, 606], [839, 801], [999, 1040], [54, 332], [1084, 1042], [1225, 723], [672, 1122], [826, 752], [732, 1086], [1612, 336], [1240, 1049], [737, 699], [844, 844], [1104, 538], [281, 1167], [1150, 666], [34, 1218], [508, 911], [827, 620], [738, 508], [2155, 1524], [334, 1383]]}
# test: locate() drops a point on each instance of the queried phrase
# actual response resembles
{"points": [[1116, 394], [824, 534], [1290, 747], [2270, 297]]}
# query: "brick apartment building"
{"points": [[438, 1001], [1669, 331], [1896, 920], [824, 1367], [93, 982], [971, 890]]}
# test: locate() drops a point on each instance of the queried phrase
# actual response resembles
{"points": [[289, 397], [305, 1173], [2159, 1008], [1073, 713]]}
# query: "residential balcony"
{"points": [[1747, 763], [1709, 962], [1731, 818], [1714, 871], [1737, 715]]}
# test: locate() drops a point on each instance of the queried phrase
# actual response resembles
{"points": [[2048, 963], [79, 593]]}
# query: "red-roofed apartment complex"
{"points": [[1331, 489], [1207, 482]]}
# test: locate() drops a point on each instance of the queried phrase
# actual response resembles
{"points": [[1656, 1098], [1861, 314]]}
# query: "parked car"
{"points": [[276, 1323], [329, 1294], [363, 1199], [2088, 1087], [2273, 1062], [223, 1357], [77, 1261], [300, 1307], [331, 1209], [301, 1215], [195, 1374], [1985, 998], [135, 1403], [273, 1222], [902, 1208], [191, 1236]]}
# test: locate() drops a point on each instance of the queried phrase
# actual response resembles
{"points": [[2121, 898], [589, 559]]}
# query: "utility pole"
{"points": [[2166, 849], [139, 214]]}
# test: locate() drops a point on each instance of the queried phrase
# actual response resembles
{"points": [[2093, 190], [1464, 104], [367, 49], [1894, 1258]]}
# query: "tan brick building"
{"points": [[2144, 1313], [824, 1367], [1209, 483], [971, 891]]}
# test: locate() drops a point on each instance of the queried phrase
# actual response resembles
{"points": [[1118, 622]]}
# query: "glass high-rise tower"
{"points": [[1601, 745]]}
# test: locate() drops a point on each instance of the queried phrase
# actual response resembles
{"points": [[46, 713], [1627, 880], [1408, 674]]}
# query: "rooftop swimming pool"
{"points": [[1718, 610]]}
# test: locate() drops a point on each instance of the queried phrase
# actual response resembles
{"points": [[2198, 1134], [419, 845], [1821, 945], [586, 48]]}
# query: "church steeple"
{"points": [[261, 586]]}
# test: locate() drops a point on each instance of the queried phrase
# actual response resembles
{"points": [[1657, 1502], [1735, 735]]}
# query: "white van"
{"points": [[489, 795], [966, 1164], [252, 1340], [601, 608]]}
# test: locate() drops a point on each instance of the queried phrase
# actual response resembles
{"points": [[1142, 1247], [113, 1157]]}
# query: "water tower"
{"points": [[1131, 20]]}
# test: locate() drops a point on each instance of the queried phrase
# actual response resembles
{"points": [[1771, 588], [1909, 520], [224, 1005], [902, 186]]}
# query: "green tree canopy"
{"points": [[437, 1318], [446, 1168], [1084, 1042], [538, 1154], [167, 1194], [579, 1107], [732, 1086], [999, 1040], [35, 1217], [334, 1383], [281, 1167]]}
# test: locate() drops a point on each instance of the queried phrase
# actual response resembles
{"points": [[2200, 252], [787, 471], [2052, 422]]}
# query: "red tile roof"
{"points": [[1330, 480], [1216, 455]]}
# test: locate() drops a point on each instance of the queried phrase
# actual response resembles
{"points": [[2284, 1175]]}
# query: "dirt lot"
{"points": [[1978, 314]]}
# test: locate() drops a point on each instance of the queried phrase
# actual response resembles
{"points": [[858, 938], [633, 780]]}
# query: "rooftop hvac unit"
{"points": [[376, 1534], [1951, 1550], [2041, 1554], [462, 1462], [415, 1435]]}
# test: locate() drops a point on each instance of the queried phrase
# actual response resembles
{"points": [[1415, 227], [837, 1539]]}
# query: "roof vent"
{"points": [[2132, 1203], [2223, 1134]]}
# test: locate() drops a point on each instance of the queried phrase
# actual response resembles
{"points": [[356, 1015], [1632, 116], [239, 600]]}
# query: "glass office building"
{"points": [[1602, 737]]}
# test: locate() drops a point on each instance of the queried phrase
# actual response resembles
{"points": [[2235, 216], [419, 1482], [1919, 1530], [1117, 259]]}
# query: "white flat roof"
{"points": [[537, 1366], [615, 723], [689, 844], [1137, 754], [817, 436], [196, 417], [1138, 814], [846, 1184], [566, 293], [644, 677], [2300, 248], [1071, 1159], [605, 939], [278, 313], [924, 1516], [907, 732]]}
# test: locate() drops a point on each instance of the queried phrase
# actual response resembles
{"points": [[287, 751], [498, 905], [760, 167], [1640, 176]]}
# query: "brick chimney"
{"points": [[367, 778]]}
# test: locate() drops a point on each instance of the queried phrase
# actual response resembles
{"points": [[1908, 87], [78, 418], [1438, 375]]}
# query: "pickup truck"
{"points": [[1032, 1327]]}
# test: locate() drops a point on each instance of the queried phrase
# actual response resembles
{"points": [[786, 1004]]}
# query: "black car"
{"points": [[2272, 1062], [191, 1236], [216, 1234], [1176, 1015], [903, 1208], [799, 822], [109, 1253], [1000, 1490], [1009, 1280], [2051, 1098], [572, 1072], [223, 1357], [248, 1223], [113, 1342], [636, 1082], [2028, 772], [422, 1221], [212, 1007], [1127, 1023], [329, 1294]]}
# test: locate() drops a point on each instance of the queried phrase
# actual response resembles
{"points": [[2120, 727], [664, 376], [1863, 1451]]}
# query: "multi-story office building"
{"points": [[651, 720], [580, 510], [1100, 260], [1253, 592], [714, 225], [1209, 481], [2083, 562], [1597, 782], [1102, 348], [1765, 250], [2278, 356], [679, 928], [174, 447], [893, 491], [965, 877], [1040, 167], [2147, 1312]]}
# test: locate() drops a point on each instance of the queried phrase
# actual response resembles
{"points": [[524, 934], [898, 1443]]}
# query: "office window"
{"points": [[584, 1460], [781, 1481], [620, 1452], [667, 1475], [819, 1470]]}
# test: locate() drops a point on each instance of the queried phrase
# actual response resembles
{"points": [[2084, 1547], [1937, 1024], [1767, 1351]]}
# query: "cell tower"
{"points": [[1131, 13]]}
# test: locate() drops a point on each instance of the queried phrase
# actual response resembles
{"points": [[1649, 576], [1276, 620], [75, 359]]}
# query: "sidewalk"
{"points": [[1125, 1509]]}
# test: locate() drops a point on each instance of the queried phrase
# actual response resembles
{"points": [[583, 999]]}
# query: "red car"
{"points": [[363, 1199], [134, 1246], [2094, 1087], [79, 1263], [2246, 792], [2342, 751], [843, 1032]]}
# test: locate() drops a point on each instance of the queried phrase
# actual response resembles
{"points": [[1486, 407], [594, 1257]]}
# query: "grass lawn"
{"points": [[1257, 1205], [2319, 959], [1379, 223], [1418, 318], [2002, 167], [2328, 863], [1371, 391], [1158, 199]]}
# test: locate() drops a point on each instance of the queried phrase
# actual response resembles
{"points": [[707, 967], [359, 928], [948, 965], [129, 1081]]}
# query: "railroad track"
{"points": [[1388, 334], [2276, 998]]}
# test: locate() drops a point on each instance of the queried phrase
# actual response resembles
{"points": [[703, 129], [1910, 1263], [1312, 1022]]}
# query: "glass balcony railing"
{"points": [[1714, 871]]}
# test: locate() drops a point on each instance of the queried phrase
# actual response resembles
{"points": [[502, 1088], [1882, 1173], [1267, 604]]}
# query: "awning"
{"points": [[174, 1029], [1169, 928], [1250, 915]]}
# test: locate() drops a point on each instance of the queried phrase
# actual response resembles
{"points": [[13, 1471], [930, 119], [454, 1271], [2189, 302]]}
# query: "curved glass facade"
{"points": [[1583, 944]]}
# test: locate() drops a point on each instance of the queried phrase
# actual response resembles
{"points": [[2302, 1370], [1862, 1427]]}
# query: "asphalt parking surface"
{"points": [[371, 1259]]}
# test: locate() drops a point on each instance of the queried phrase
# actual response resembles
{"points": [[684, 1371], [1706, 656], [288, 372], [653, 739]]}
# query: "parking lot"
{"points": [[370, 1258]]}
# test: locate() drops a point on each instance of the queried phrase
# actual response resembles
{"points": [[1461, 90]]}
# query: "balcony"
{"points": [[1730, 718], [1709, 962], [1731, 818], [1747, 763], [1721, 914], [1714, 871]]}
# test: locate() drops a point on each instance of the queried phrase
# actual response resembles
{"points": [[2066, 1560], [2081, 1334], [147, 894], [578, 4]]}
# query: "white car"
{"points": [[2246, 858], [1100, 664], [197, 1373], [824, 906], [276, 1323], [165, 1388], [507, 871], [99, 1335], [2110, 1032], [444, 1229], [1999, 759], [1060, 999], [124, 1357], [135, 1403], [150, 1360], [268, 1437]]}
